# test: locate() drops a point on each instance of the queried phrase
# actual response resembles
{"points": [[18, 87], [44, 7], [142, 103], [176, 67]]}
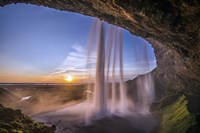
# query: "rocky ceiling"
{"points": [[172, 26]]}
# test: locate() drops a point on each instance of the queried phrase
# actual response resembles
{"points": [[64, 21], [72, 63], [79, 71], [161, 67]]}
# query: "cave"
{"points": [[172, 27]]}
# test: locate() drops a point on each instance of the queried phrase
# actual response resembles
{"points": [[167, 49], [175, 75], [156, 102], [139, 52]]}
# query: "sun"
{"points": [[69, 78]]}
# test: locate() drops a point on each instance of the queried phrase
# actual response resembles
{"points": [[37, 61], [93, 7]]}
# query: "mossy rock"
{"points": [[176, 118], [17, 131], [6, 125], [164, 102], [193, 129], [2, 130], [13, 121]]}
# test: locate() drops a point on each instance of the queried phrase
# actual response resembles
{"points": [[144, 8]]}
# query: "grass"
{"points": [[176, 118]]}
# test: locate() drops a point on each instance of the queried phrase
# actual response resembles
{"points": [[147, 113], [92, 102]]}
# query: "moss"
{"points": [[2, 130], [164, 102], [176, 118], [13, 121], [16, 131]]}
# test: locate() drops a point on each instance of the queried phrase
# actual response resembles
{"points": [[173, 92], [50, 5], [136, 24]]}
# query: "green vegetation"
{"points": [[176, 118], [13, 121]]}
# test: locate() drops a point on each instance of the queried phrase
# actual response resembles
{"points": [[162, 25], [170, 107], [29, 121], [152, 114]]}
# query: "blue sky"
{"points": [[47, 44]]}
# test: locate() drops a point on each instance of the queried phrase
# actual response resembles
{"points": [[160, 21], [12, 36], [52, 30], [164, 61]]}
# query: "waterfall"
{"points": [[145, 92], [100, 95], [107, 94]]}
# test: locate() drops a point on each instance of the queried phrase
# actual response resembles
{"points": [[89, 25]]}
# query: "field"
{"points": [[40, 98]]}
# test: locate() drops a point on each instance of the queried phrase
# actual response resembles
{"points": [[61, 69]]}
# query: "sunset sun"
{"points": [[69, 78]]}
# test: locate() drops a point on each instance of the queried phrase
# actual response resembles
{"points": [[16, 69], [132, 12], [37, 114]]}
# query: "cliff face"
{"points": [[172, 73], [173, 27]]}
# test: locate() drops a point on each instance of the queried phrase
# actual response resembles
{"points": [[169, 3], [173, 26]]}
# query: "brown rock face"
{"points": [[172, 73], [173, 27]]}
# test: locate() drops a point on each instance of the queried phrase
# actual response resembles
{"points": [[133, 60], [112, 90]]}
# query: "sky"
{"points": [[40, 44]]}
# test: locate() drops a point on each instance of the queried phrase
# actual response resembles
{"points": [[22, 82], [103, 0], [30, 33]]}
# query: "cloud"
{"points": [[78, 47], [67, 71], [76, 62]]}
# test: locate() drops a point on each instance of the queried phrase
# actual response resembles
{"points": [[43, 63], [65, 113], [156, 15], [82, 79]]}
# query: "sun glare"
{"points": [[68, 78]]}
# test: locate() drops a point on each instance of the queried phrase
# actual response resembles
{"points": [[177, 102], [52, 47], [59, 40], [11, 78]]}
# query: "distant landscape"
{"points": [[37, 98]]}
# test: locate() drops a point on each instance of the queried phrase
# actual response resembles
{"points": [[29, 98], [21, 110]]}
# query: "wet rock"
{"points": [[193, 103]]}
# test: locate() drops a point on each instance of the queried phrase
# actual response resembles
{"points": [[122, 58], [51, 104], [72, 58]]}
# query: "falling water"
{"points": [[145, 92], [145, 85], [100, 95], [108, 94]]}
